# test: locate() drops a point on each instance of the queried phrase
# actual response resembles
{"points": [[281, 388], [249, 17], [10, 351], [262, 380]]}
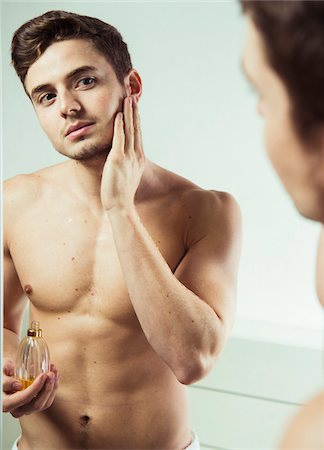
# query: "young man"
{"points": [[130, 269], [284, 60]]}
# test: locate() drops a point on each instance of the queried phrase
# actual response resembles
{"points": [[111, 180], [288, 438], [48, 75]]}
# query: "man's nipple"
{"points": [[28, 289]]}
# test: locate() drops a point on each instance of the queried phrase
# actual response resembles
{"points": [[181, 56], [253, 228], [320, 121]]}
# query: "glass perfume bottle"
{"points": [[32, 356]]}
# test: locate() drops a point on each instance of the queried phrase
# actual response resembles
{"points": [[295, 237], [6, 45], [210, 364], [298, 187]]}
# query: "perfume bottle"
{"points": [[32, 356]]}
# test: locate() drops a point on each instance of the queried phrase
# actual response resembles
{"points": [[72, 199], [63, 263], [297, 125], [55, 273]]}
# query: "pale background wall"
{"points": [[198, 118]]}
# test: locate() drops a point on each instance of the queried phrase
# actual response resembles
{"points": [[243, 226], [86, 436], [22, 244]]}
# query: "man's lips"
{"points": [[79, 129]]}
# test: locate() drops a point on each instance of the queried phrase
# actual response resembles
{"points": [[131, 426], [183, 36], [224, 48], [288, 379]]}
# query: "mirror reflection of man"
{"points": [[130, 269], [284, 60]]}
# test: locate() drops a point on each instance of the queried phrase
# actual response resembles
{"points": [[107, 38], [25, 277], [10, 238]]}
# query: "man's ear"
{"points": [[133, 84]]}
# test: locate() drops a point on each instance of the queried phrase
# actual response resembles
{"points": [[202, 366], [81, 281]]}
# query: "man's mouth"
{"points": [[79, 129]]}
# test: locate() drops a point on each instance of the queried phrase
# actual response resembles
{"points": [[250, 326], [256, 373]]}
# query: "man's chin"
{"points": [[312, 211], [91, 156], [89, 153]]}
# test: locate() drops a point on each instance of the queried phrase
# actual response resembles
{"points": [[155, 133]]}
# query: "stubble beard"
{"points": [[90, 152]]}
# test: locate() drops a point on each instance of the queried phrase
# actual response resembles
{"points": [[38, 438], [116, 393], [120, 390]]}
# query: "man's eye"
{"points": [[86, 81], [46, 98]]}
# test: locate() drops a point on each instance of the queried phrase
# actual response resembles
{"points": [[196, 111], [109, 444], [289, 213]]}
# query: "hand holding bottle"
{"points": [[29, 385], [37, 397]]}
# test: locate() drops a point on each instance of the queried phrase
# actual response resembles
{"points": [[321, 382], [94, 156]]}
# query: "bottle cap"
{"points": [[34, 330]]}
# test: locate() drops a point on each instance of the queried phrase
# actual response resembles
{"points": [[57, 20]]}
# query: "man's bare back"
{"points": [[115, 391]]}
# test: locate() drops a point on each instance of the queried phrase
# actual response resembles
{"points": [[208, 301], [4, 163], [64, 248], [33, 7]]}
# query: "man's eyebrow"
{"points": [[38, 89], [73, 73], [80, 70]]}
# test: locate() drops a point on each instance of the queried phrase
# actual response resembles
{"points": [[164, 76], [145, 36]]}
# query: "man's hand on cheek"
{"points": [[125, 164]]}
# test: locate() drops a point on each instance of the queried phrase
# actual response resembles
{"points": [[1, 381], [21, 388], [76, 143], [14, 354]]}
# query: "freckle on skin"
{"points": [[59, 318], [28, 289], [73, 258], [190, 217], [76, 289]]}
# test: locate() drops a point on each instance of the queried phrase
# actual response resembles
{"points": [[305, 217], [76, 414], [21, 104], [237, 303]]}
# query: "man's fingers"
{"points": [[138, 144], [56, 385], [9, 368], [52, 395], [20, 398], [10, 384], [129, 126], [118, 144], [39, 402]]}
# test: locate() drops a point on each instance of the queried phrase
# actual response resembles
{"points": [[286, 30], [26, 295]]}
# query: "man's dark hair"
{"points": [[32, 39], [293, 36]]}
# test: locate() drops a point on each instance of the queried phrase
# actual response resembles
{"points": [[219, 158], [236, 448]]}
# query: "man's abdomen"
{"points": [[115, 393]]}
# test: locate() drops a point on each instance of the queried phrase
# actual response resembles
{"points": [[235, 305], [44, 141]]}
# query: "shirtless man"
{"points": [[284, 60], [130, 269]]}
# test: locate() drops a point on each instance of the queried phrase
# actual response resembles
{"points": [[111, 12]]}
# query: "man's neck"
{"points": [[86, 179]]}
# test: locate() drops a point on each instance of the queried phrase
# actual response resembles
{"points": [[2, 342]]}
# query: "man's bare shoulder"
{"points": [[27, 187], [206, 211], [20, 187], [195, 198], [209, 202], [306, 429], [213, 213], [320, 268]]}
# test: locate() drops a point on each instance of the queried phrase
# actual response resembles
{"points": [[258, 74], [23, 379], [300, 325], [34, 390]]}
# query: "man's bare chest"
{"points": [[69, 262]]}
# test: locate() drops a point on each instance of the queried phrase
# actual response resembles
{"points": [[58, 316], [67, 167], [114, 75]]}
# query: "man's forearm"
{"points": [[10, 344], [184, 330]]}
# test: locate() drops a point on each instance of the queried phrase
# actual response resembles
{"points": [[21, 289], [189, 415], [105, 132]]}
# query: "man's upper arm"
{"points": [[14, 300], [210, 266], [305, 431]]}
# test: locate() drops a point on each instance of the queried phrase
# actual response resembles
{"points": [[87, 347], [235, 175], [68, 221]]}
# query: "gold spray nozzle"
{"points": [[34, 329]]}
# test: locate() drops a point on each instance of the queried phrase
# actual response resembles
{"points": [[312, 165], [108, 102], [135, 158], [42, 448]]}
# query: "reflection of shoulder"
{"points": [[20, 194], [210, 206], [212, 201], [210, 213], [26, 189], [20, 190], [195, 199], [305, 431]]}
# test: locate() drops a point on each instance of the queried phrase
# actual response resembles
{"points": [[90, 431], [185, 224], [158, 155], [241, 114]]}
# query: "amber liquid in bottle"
{"points": [[32, 356], [26, 383]]}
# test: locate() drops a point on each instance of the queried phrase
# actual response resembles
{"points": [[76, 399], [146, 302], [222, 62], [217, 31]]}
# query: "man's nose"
{"points": [[69, 104]]}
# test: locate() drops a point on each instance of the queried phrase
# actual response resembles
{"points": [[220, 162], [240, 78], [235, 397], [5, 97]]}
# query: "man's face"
{"points": [[293, 162], [76, 95]]}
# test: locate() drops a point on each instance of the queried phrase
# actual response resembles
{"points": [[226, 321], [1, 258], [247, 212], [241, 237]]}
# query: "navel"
{"points": [[84, 420]]}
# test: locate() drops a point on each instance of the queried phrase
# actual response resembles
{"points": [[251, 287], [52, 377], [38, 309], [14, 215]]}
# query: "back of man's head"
{"points": [[293, 36]]}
